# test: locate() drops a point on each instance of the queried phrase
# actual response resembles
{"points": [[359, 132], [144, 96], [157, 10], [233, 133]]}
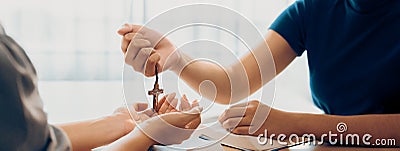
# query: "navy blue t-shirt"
{"points": [[353, 49]]}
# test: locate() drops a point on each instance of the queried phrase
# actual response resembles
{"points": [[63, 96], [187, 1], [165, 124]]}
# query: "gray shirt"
{"points": [[23, 123]]}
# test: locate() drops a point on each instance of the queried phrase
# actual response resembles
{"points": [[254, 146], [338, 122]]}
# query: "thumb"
{"points": [[126, 28], [140, 106]]}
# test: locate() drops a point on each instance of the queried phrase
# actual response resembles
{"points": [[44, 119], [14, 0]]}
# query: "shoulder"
{"points": [[322, 2], [318, 5], [310, 12], [8, 71]]}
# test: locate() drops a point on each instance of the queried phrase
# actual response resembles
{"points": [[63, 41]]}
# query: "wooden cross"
{"points": [[155, 92]]}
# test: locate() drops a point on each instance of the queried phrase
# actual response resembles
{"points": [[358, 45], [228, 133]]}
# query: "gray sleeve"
{"points": [[59, 140], [23, 123], [2, 32]]}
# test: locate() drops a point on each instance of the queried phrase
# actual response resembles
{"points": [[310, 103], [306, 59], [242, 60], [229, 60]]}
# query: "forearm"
{"points": [[90, 134], [379, 126], [208, 79], [242, 78], [225, 84]]}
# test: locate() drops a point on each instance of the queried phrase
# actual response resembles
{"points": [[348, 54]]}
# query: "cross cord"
{"points": [[156, 91]]}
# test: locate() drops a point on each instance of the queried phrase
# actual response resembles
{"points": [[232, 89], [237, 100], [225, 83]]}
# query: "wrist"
{"points": [[181, 61], [135, 140], [297, 123], [137, 134], [118, 124], [307, 123], [147, 139]]}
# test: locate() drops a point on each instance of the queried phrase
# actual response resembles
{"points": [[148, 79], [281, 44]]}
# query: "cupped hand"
{"points": [[173, 127], [168, 103], [140, 112]]}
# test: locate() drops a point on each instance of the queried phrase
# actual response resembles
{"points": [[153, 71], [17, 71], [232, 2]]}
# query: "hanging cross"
{"points": [[155, 92]]}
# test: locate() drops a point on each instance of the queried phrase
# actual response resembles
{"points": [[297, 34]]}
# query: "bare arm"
{"points": [[198, 71], [90, 134]]}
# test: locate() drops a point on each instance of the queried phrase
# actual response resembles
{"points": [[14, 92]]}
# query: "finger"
{"points": [[132, 111], [140, 106], [232, 113], [231, 123], [136, 44], [193, 124], [161, 102], [130, 36], [124, 29], [236, 122], [131, 48], [124, 45], [164, 107], [140, 43], [172, 105], [242, 130], [195, 103], [159, 66], [244, 104], [166, 104], [146, 114], [127, 28], [185, 105], [181, 119], [140, 59], [126, 39], [131, 53], [151, 64]]}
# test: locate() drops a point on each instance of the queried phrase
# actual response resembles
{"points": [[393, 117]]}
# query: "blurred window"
{"points": [[77, 40]]}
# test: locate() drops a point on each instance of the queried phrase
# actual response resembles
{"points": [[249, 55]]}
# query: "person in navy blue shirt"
{"points": [[353, 49]]}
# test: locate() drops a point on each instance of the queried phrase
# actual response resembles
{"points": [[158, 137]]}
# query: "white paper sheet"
{"points": [[219, 135]]}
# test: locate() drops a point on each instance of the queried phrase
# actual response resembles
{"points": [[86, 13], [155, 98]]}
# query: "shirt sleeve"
{"points": [[290, 24], [23, 123]]}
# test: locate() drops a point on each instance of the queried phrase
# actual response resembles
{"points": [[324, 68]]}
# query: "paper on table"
{"points": [[216, 132], [193, 142], [219, 135]]}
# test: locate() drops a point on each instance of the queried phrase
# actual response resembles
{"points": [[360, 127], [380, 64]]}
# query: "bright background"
{"points": [[76, 51]]}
